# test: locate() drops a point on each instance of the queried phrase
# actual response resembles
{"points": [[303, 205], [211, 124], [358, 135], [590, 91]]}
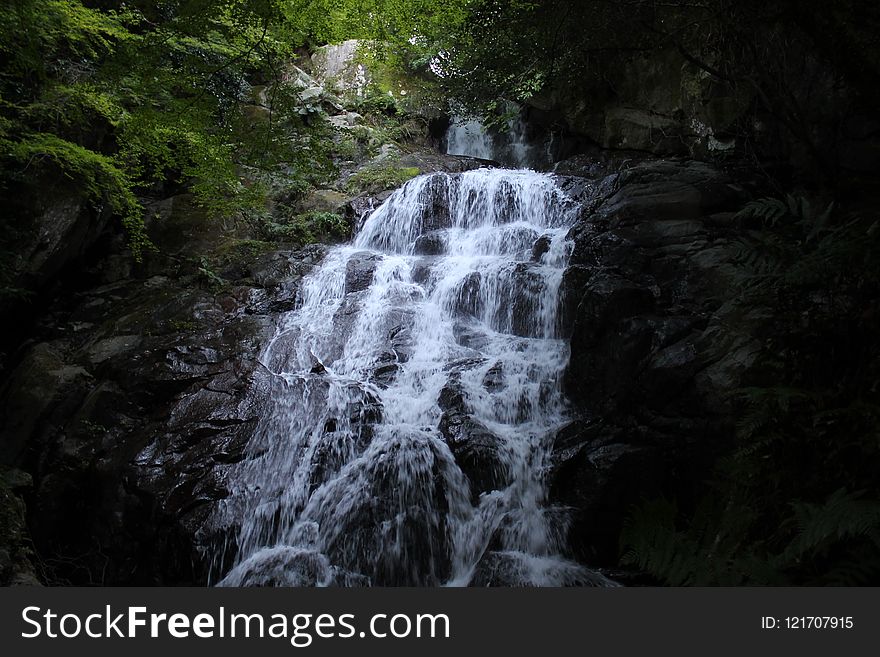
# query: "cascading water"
{"points": [[511, 147], [469, 138], [414, 394]]}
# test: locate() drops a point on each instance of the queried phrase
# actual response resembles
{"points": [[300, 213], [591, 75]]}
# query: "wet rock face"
{"points": [[514, 569], [374, 525], [671, 191], [431, 244], [359, 272], [128, 414], [64, 227], [476, 450], [600, 471], [642, 302]]}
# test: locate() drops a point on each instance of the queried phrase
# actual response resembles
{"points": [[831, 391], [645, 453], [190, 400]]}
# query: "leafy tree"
{"points": [[119, 97]]}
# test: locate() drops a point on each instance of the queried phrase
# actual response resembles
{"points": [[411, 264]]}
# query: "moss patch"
{"points": [[375, 179]]}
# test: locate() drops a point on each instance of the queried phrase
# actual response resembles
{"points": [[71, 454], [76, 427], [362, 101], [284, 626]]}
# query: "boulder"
{"points": [[337, 68], [430, 244], [359, 271], [324, 200], [541, 246], [62, 229], [387, 519], [477, 451], [664, 190], [515, 569]]}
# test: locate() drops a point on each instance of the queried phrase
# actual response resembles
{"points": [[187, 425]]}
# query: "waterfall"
{"points": [[469, 137], [414, 394], [510, 148]]}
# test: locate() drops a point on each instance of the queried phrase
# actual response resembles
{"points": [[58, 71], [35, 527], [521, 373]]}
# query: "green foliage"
{"points": [[102, 180], [122, 101], [37, 35], [326, 225], [394, 22], [301, 229], [71, 108], [842, 517], [377, 102], [208, 275], [706, 553]]}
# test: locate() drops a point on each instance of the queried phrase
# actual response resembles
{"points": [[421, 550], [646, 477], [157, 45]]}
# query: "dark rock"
{"points": [[527, 291], [646, 344], [400, 338], [607, 300], [282, 566], [338, 446], [384, 375], [494, 379], [500, 569], [348, 579], [36, 397], [542, 245], [359, 271], [514, 569], [470, 336], [431, 244], [400, 521], [477, 451], [571, 291], [129, 417], [63, 227], [469, 301], [421, 271], [664, 190], [358, 209], [435, 199], [601, 481]]}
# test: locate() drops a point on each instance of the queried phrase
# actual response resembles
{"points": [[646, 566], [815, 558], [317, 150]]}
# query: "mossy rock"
{"points": [[324, 200], [375, 179]]}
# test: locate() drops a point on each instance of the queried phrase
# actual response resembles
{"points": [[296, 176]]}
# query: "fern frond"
{"points": [[768, 210], [843, 515], [706, 553]]}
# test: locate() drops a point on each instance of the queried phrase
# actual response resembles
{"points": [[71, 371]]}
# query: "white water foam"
{"points": [[360, 472]]}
